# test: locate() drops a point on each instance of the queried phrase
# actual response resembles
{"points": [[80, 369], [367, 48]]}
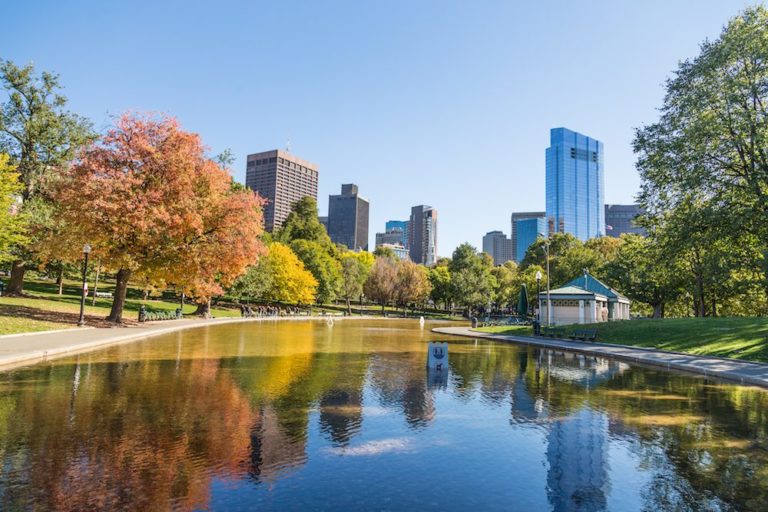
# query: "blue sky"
{"points": [[418, 102]]}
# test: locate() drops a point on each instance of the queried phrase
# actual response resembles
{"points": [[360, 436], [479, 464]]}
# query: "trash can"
{"points": [[142, 313], [474, 322], [536, 328]]}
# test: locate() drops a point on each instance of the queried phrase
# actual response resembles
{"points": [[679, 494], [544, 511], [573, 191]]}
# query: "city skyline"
{"points": [[425, 94]]}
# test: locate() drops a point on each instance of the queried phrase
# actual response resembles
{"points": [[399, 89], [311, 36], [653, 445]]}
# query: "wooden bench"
{"points": [[584, 334], [103, 295]]}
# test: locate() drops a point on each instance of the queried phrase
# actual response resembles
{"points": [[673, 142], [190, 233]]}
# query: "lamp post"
{"points": [[86, 252], [546, 250], [538, 296]]}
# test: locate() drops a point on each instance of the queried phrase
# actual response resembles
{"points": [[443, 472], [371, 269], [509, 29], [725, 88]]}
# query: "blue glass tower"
{"points": [[527, 231], [401, 225], [575, 196]]}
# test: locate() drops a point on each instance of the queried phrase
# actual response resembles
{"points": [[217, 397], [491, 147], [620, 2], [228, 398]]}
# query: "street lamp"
{"points": [[538, 297], [546, 249], [86, 252]]}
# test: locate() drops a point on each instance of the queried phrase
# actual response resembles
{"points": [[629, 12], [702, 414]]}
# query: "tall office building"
{"points": [[402, 225], [422, 235], [394, 236], [282, 179], [499, 247], [575, 201], [620, 218], [526, 232], [348, 218], [523, 245]]}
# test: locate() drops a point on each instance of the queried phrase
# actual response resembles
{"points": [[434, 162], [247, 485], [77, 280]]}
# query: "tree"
{"points": [[291, 281], [711, 137], [11, 221], [325, 268], [384, 252], [353, 277], [155, 207], [471, 279], [412, 283], [304, 224], [506, 285], [382, 281], [40, 136], [440, 281], [636, 272]]}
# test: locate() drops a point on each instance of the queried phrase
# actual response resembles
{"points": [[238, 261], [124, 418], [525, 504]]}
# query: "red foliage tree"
{"points": [[153, 205]]}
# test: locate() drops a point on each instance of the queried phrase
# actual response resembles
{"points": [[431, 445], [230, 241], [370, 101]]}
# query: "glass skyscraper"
{"points": [[575, 195], [527, 230]]}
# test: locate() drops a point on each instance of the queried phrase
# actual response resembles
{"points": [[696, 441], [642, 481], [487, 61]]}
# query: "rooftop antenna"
{"points": [[288, 145]]}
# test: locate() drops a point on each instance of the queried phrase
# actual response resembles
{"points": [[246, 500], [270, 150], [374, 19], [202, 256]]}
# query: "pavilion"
{"points": [[584, 300]]}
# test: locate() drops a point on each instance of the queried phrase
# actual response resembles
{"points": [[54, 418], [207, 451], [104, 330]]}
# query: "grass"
{"points": [[737, 338], [42, 308]]}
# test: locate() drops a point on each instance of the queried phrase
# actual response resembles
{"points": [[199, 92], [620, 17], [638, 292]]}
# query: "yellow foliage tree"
{"points": [[291, 281], [11, 221]]}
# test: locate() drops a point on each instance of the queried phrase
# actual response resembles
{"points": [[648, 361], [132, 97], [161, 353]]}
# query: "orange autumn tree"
{"points": [[154, 206]]}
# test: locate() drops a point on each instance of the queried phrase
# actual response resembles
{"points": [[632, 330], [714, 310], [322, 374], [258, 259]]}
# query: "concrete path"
{"points": [[35, 347], [742, 372]]}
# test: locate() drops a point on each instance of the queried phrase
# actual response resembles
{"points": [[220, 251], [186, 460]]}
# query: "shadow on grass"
{"points": [[56, 316]]}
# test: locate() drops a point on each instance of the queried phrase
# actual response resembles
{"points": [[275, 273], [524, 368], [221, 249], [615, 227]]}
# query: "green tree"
{"points": [[304, 224], [325, 268], [711, 137], [506, 285], [440, 280], [40, 136], [471, 280]]}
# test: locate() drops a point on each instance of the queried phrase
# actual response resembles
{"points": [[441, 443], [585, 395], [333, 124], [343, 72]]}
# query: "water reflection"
{"points": [[286, 416]]}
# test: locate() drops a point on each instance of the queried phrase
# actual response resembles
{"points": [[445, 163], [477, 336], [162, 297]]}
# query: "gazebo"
{"points": [[584, 300]]}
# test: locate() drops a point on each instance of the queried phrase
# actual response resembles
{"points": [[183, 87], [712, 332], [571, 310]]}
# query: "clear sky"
{"points": [[443, 103]]}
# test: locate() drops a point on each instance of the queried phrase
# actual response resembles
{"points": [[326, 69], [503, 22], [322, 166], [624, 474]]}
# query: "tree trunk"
{"points": [[382, 309], [60, 281], [658, 310], [349, 307], [118, 303], [203, 309], [16, 282]]}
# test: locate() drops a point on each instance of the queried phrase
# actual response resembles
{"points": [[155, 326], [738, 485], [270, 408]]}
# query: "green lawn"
{"points": [[43, 308], [739, 338]]}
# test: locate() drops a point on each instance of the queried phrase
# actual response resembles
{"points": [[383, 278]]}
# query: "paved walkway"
{"points": [[743, 372], [35, 347]]}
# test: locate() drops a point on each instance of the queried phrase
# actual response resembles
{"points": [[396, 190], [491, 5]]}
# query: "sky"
{"points": [[444, 103]]}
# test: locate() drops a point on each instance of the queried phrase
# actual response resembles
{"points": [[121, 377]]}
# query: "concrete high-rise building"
{"points": [[422, 235], [620, 218], [499, 247], [575, 195], [282, 179], [526, 232], [523, 245], [402, 225], [394, 236], [348, 218]]}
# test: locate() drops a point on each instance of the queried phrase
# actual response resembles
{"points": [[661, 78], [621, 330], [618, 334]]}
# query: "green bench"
{"points": [[584, 334], [146, 315], [553, 332]]}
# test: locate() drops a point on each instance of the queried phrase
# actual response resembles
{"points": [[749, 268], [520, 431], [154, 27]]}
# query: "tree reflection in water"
{"points": [[155, 425]]}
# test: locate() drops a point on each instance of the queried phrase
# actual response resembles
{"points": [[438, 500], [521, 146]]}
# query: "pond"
{"points": [[309, 416]]}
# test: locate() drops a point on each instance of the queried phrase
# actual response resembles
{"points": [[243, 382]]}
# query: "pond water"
{"points": [[307, 416]]}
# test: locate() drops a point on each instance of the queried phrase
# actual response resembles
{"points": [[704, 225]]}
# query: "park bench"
{"points": [[553, 332], [584, 334], [103, 295]]}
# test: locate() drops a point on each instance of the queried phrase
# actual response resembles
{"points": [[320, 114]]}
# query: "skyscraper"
{"points": [[620, 218], [348, 218], [527, 230], [394, 225], [422, 235], [499, 247], [282, 179], [520, 246], [574, 186]]}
